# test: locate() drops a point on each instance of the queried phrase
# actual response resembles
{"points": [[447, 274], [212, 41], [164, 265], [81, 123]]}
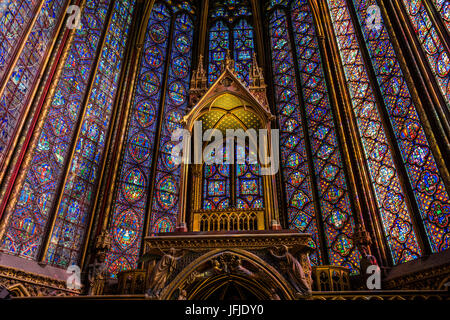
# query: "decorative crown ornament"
{"points": [[103, 243], [199, 83]]}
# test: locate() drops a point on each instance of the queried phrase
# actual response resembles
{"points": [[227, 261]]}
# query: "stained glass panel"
{"points": [[438, 57], [166, 194], [328, 166], [243, 49], [389, 194], [127, 221], [31, 213], [15, 19], [249, 182], [68, 234], [230, 9], [217, 184], [219, 42], [443, 7], [295, 169], [429, 191], [26, 71]]}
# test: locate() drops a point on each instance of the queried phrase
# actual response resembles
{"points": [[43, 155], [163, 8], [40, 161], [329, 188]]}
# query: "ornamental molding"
{"points": [[231, 240], [428, 279], [42, 285]]}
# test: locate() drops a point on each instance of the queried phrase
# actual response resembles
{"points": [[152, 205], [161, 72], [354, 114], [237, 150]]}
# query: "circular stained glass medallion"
{"points": [[177, 93], [167, 192], [139, 147], [133, 187], [149, 83], [174, 119], [179, 67], [168, 160], [158, 33], [145, 113], [154, 57], [182, 43], [125, 227]]}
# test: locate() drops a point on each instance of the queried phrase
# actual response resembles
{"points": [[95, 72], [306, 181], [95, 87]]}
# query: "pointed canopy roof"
{"points": [[228, 92]]}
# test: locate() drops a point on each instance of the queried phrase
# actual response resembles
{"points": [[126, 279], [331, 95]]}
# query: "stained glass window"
{"points": [[219, 42], [127, 221], [31, 214], [328, 165], [243, 49], [333, 196], [438, 57], [24, 75], [217, 183], [443, 7], [249, 182], [68, 234], [389, 194], [167, 181], [295, 167], [231, 33], [230, 9], [246, 177], [429, 191], [15, 19]]}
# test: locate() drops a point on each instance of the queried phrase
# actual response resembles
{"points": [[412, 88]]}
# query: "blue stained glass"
{"points": [[165, 199], [78, 190], [295, 171], [378, 155], [328, 166], [19, 86], [433, 201], [134, 174], [219, 43], [46, 170], [437, 55], [243, 49]]}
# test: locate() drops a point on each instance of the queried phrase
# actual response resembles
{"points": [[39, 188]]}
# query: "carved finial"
{"points": [[199, 79], [254, 63], [103, 241], [256, 74], [199, 82], [200, 69]]}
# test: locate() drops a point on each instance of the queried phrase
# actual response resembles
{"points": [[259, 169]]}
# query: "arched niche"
{"points": [[208, 275]]}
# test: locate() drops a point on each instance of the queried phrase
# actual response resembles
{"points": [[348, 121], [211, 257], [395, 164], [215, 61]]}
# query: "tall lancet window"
{"points": [[430, 194], [18, 77], [295, 167], [323, 154], [231, 31], [69, 230], [437, 54], [167, 178], [38, 210], [160, 100], [378, 154], [219, 44], [443, 7], [243, 49], [16, 16]]}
